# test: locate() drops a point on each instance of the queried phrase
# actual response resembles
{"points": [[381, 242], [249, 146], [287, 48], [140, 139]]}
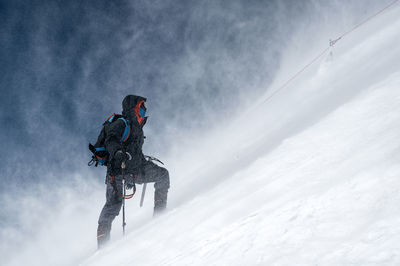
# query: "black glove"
{"points": [[120, 157]]}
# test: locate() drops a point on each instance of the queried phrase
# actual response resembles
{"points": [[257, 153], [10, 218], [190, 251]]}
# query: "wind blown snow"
{"points": [[320, 185], [310, 177]]}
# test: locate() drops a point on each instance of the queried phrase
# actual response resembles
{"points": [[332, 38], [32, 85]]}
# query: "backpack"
{"points": [[100, 153]]}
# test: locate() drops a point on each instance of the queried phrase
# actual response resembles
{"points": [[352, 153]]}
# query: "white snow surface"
{"points": [[311, 177]]}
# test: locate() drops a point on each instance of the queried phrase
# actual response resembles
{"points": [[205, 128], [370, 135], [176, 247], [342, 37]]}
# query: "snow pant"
{"points": [[150, 173]]}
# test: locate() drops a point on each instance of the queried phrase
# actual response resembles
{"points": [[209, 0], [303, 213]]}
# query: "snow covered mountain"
{"points": [[309, 177]]}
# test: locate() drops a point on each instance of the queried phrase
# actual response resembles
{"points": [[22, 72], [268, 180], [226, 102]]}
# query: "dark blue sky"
{"points": [[66, 65]]}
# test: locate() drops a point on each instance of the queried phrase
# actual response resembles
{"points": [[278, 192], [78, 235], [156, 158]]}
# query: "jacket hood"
{"points": [[129, 103]]}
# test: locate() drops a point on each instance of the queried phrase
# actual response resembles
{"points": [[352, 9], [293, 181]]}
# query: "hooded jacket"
{"points": [[132, 145]]}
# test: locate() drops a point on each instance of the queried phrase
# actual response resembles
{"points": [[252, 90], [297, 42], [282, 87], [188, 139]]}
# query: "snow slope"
{"points": [[309, 178]]}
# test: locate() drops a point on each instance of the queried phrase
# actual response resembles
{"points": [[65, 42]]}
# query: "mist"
{"points": [[205, 67]]}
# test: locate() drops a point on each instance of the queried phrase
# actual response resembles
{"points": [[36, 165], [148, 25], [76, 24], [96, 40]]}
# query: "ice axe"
{"points": [[143, 193], [149, 158]]}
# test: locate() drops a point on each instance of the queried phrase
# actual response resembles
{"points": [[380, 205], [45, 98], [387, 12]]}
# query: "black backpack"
{"points": [[100, 153]]}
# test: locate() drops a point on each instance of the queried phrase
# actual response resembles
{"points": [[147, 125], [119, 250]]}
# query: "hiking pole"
{"points": [[123, 198], [143, 192]]}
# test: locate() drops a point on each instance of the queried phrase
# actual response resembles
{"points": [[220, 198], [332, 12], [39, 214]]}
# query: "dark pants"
{"points": [[150, 173]]}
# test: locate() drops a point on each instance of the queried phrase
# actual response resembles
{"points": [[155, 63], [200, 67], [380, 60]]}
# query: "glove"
{"points": [[120, 157]]}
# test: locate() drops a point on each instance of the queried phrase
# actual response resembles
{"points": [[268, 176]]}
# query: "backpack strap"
{"points": [[100, 149], [110, 118], [127, 130]]}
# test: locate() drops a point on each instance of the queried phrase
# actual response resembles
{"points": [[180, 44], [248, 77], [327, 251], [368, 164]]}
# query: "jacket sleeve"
{"points": [[114, 132]]}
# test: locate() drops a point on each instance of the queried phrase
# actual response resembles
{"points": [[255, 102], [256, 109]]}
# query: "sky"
{"points": [[204, 67], [67, 66]]}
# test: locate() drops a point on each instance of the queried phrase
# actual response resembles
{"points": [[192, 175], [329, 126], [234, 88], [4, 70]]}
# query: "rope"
{"points": [[363, 22], [331, 44], [297, 74], [129, 196]]}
